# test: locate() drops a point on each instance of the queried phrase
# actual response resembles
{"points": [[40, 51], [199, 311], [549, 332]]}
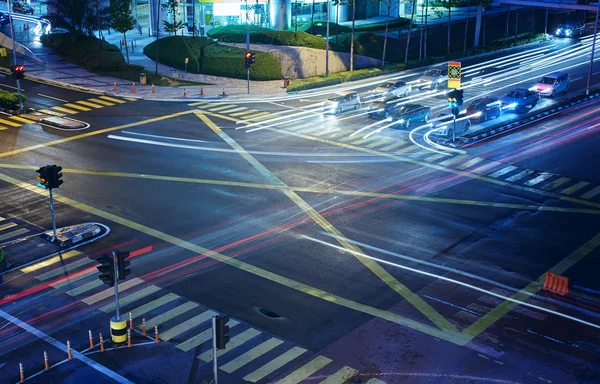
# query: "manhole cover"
{"points": [[268, 313]]}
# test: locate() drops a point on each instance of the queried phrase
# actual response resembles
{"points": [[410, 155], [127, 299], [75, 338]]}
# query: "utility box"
{"points": [[142, 78]]}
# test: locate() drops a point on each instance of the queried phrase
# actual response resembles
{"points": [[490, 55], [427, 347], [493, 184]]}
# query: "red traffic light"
{"points": [[248, 54]]}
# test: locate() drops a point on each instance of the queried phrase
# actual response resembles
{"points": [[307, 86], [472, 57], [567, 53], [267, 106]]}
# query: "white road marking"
{"points": [[53, 98]]}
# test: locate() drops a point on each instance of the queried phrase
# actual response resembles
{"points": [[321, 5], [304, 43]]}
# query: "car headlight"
{"points": [[568, 32], [401, 121], [511, 106], [558, 31]]}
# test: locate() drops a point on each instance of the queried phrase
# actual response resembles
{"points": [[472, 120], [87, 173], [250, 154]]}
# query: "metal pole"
{"points": [[114, 256], [52, 213], [454, 130], [248, 79], [589, 81], [214, 329], [546, 23], [157, 28], [193, 18], [327, 43], [14, 49]]}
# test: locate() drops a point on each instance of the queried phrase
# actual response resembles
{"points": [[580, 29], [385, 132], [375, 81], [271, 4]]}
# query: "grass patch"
{"points": [[220, 60], [173, 51]]}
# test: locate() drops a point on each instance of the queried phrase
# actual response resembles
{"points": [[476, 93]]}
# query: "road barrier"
{"points": [[46, 365], [144, 326], [21, 373], [556, 284], [184, 92], [201, 91], [223, 95], [91, 340], [118, 330]]}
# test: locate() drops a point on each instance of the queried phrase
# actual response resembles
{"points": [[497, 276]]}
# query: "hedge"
{"points": [[320, 27], [173, 50], [341, 77], [10, 100], [220, 60], [88, 52]]}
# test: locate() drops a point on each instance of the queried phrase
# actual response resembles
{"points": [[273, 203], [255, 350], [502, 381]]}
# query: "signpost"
{"points": [[454, 75]]}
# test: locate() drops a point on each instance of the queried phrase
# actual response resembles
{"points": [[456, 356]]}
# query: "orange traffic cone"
{"points": [[133, 89], [201, 91], [115, 86], [153, 90], [184, 92], [223, 92]]}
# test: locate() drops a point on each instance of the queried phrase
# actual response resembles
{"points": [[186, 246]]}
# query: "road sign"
{"points": [[3, 52], [454, 74]]}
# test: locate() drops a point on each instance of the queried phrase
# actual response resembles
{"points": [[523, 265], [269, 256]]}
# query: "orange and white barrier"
{"points": [[144, 326], [69, 354], [156, 333], [101, 344], [129, 337], [46, 365], [133, 88], [21, 373], [91, 340], [556, 284]]}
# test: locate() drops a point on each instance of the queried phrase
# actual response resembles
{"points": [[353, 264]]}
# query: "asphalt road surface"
{"points": [[343, 248]]}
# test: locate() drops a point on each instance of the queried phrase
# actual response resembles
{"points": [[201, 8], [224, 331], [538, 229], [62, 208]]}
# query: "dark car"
{"points": [[484, 109], [20, 7], [409, 113], [445, 127], [519, 100], [571, 29], [383, 109], [4, 18]]}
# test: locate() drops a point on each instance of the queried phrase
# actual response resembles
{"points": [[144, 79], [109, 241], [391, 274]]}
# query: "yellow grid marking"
{"points": [[11, 123], [102, 102], [22, 120], [49, 112], [88, 104], [69, 111], [113, 99], [75, 106]]}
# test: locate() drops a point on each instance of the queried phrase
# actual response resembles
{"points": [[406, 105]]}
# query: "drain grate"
{"points": [[268, 313]]}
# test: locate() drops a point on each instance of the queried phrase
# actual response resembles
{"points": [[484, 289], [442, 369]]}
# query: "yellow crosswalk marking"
{"points": [[520, 175], [3, 128], [556, 183], [375, 381], [70, 111], [364, 141], [305, 371], [79, 107], [538, 179], [503, 171], [22, 120], [123, 301], [200, 338], [453, 160], [397, 144], [197, 103], [406, 149], [251, 355], [235, 342], [236, 109], [470, 163], [245, 112], [7, 226], [340, 376], [50, 261], [130, 99], [591, 194], [62, 269], [144, 309], [172, 313], [256, 115], [113, 99], [85, 287], [49, 112], [433, 158], [11, 123], [322, 132], [221, 107], [88, 104], [380, 142], [342, 132], [187, 325], [574, 188], [274, 364], [71, 280], [14, 233], [110, 291], [101, 102]]}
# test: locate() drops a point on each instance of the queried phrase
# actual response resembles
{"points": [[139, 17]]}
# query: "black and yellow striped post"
{"points": [[118, 329]]}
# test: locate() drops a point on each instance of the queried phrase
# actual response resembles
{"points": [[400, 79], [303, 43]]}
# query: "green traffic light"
{"points": [[41, 186]]}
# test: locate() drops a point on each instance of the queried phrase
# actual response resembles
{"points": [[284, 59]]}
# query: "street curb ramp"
{"points": [[68, 236], [61, 122], [537, 117]]}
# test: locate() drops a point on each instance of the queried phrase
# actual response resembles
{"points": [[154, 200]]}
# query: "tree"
{"points": [[172, 7], [69, 14], [389, 4], [412, 17], [467, 26], [122, 19], [352, 36], [338, 4], [448, 4]]}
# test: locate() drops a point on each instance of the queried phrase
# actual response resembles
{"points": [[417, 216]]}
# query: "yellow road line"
{"points": [[243, 113], [49, 112], [377, 269], [102, 102], [306, 370], [249, 268], [112, 99], [50, 261], [75, 106], [526, 293], [3, 128], [22, 120], [130, 99], [11, 123], [93, 133], [65, 110], [88, 104]]}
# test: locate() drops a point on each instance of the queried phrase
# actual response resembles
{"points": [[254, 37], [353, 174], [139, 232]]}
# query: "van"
{"points": [[342, 101], [553, 83]]}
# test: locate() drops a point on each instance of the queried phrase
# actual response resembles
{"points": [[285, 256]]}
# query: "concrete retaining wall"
{"points": [[302, 62]]}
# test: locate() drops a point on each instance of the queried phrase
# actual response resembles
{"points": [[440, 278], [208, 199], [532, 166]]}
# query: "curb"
{"points": [[53, 123], [75, 239], [537, 117]]}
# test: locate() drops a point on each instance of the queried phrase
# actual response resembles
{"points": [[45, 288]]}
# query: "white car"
{"points": [[435, 78], [392, 88], [342, 101]]}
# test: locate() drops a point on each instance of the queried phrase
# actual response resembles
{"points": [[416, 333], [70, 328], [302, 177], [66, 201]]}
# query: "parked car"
{"points": [[483, 109], [383, 109], [519, 100], [342, 101], [4, 18], [553, 83], [444, 126], [435, 78], [575, 28], [392, 88], [410, 113], [21, 7]]}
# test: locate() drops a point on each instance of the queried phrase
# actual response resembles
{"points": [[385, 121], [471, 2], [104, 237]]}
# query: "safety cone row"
{"points": [[556, 284]]}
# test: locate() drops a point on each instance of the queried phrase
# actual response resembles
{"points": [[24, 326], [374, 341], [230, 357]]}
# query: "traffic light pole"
{"points": [[214, 329], [14, 49], [247, 44], [454, 131], [115, 262], [52, 213]]}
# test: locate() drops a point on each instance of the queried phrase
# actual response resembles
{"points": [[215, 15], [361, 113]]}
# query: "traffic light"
{"points": [[458, 94], [44, 178], [122, 264], [55, 176], [222, 331], [18, 71], [455, 111], [250, 58], [452, 98], [106, 269]]}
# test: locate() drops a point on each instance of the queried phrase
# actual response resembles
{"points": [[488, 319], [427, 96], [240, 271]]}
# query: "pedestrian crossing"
{"points": [[72, 108], [252, 355]]}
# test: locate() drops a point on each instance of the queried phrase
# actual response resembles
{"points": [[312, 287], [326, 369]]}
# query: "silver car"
{"points": [[552, 83], [435, 78], [444, 126], [341, 102], [392, 88]]}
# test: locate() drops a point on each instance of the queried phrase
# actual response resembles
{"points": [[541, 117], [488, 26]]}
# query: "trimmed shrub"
{"points": [[320, 27], [231, 32], [88, 52], [10, 100], [173, 50], [219, 60]]}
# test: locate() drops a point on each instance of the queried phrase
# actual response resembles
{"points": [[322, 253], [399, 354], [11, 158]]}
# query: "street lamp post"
{"points": [[589, 80], [14, 49], [157, 28]]}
